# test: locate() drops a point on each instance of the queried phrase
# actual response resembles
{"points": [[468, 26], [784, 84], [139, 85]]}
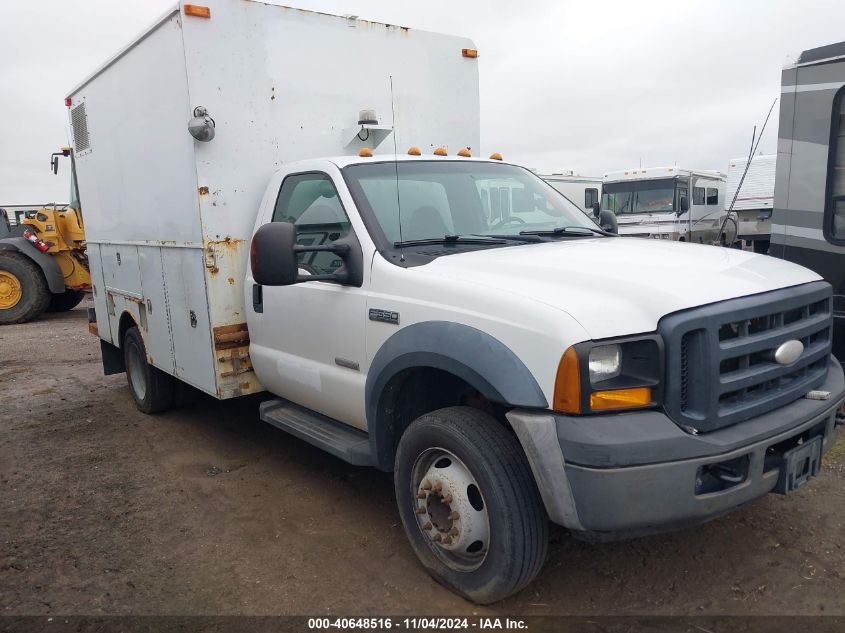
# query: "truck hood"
{"points": [[619, 286]]}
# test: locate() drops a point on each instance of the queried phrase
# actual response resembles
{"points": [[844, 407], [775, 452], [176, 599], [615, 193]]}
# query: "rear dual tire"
{"points": [[468, 458], [152, 389]]}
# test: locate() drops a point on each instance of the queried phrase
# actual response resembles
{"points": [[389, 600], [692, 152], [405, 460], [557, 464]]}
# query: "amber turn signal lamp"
{"points": [[495, 156], [198, 11], [414, 151], [365, 152], [469, 52], [441, 151], [464, 152], [567, 396], [620, 399]]}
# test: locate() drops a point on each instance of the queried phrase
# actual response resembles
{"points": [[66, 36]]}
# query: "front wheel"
{"points": [[151, 388], [469, 504]]}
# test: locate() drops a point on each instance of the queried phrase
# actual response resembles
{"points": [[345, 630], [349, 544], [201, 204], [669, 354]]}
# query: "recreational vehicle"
{"points": [[752, 205]]}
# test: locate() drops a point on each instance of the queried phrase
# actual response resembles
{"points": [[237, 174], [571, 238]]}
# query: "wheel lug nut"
{"points": [[427, 526], [447, 540], [421, 495], [426, 485], [447, 499], [454, 516], [454, 531], [421, 510], [437, 538]]}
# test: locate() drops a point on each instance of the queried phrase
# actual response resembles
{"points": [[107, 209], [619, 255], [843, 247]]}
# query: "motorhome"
{"points": [[583, 191], [294, 202], [668, 203], [751, 206], [808, 223]]}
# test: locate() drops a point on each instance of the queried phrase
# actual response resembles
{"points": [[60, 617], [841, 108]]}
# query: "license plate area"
{"points": [[798, 465]]}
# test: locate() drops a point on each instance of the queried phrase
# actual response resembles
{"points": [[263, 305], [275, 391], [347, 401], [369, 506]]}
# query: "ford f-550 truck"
{"points": [[287, 201]]}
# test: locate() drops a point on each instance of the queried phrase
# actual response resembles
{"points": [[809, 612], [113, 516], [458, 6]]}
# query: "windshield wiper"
{"points": [[450, 239], [569, 230], [522, 237]]}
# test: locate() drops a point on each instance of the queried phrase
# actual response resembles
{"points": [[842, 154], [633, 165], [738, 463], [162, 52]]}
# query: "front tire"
{"points": [[151, 388], [65, 301], [23, 290], [469, 504]]}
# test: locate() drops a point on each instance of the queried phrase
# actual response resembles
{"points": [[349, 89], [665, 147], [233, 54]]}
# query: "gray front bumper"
{"points": [[621, 475]]}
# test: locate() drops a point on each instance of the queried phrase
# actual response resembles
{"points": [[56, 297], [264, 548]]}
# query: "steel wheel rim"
{"points": [[450, 509], [10, 290], [135, 371]]}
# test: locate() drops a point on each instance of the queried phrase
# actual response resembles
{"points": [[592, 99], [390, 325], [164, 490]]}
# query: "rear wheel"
{"points": [[469, 504], [23, 290], [65, 301], [151, 388]]}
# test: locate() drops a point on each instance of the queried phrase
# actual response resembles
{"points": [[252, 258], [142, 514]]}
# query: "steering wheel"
{"points": [[511, 220]]}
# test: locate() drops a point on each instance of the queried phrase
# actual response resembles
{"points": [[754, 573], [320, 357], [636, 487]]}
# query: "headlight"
{"points": [[605, 363], [599, 377]]}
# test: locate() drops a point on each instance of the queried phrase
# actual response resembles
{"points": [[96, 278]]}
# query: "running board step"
{"points": [[343, 441]]}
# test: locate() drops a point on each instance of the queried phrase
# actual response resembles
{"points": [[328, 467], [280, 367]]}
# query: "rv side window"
{"points": [[698, 195], [310, 202], [834, 221], [591, 196], [712, 196]]}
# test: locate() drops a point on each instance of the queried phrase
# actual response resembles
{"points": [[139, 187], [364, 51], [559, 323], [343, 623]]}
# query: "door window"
{"points": [[834, 222], [310, 202], [712, 195], [591, 196], [698, 195]]}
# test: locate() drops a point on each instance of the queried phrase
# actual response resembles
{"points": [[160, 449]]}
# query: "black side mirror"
{"points": [[273, 257], [684, 204], [54, 163], [596, 210], [607, 221]]}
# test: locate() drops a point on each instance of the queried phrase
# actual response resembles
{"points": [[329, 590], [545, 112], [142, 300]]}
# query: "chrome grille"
{"points": [[720, 357]]}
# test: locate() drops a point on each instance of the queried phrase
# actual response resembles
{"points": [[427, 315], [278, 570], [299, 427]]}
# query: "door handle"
{"points": [[257, 298]]}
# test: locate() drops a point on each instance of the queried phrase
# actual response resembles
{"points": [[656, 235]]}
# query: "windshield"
{"points": [[640, 196], [439, 198]]}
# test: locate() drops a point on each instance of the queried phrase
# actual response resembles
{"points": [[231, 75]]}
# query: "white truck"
{"points": [[666, 203], [753, 204], [582, 191], [251, 227]]}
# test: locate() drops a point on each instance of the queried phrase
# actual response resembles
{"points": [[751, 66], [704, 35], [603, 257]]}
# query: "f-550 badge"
{"points": [[385, 316]]}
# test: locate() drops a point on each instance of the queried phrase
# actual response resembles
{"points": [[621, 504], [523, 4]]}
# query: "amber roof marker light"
{"points": [[441, 151], [495, 156], [469, 52], [414, 151], [464, 152], [197, 10]]}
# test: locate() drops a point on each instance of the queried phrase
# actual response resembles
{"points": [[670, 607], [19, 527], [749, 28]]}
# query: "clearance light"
{"points": [[414, 151], [567, 395], [441, 151], [365, 152], [620, 398], [469, 52], [68, 101], [495, 156], [464, 152], [198, 11]]}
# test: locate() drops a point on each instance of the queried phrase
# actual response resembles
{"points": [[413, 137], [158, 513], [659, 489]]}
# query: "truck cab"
{"points": [[666, 203]]}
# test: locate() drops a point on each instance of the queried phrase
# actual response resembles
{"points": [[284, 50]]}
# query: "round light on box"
{"points": [[605, 363]]}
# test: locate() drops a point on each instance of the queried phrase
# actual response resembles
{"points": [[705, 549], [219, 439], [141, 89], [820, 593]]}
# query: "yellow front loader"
{"points": [[43, 266]]}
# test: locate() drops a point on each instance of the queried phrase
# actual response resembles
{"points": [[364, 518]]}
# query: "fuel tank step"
{"points": [[349, 444]]}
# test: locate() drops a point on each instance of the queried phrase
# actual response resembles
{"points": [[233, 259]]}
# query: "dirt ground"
{"points": [[206, 510]]}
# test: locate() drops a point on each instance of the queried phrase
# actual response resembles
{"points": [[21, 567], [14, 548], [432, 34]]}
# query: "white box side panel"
{"points": [[137, 178], [156, 325], [99, 286], [758, 188]]}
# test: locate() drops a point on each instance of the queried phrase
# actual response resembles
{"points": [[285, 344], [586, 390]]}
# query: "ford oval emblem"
{"points": [[789, 352]]}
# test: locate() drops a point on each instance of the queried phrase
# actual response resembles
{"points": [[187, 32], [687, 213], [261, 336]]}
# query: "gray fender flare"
{"points": [[474, 356], [48, 265]]}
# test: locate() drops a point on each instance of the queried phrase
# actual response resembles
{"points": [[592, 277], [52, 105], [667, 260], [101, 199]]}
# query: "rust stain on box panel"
{"points": [[231, 336]]}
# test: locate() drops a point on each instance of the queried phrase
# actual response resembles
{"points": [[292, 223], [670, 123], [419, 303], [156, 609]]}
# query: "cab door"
{"points": [[307, 340]]}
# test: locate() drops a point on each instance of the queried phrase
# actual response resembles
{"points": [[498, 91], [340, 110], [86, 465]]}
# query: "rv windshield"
{"points": [[459, 198], [639, 196]]}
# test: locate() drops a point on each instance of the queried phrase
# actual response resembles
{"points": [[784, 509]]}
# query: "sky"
{"points": [[589, 86]]}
